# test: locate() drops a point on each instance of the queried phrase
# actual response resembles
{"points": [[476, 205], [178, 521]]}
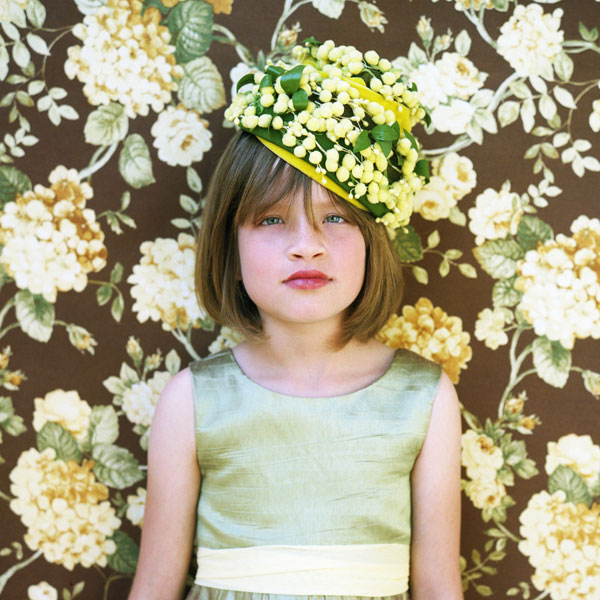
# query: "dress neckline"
{"points": [[380, 379]]}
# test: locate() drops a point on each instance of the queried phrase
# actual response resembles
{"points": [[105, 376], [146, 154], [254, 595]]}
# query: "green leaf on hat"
{"points": [[300, 100], [266, 81], [362, 141], [413, 141], [386, 147], [422, 168], [247, 78], [311, 41], [290, 80], [274, 71], [385, 133]]}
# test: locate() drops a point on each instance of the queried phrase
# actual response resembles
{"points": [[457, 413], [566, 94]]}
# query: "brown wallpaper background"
{"points": [[68, 399]]}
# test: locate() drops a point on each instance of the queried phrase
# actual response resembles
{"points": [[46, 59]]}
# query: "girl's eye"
{"points": [[271, 221], [334, 219]]}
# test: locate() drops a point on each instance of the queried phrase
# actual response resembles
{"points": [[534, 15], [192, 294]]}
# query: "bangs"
{"points": [[273, 181]]}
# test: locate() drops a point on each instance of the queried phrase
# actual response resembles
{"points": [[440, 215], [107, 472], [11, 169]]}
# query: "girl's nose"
{"points": [[306, 241]]}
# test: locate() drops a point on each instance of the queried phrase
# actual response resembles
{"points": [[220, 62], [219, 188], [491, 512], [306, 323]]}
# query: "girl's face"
{"points": [[299, 273]]}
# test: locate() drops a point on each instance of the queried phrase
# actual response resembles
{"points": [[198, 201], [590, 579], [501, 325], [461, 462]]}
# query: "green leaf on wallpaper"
{"points": [[135, 164], [36, 13], [504, 293], [501, 5], [117, 307], [124, 560], [89, 7], [55, 436], [462, 43], [190, 24], [104, 426], [201, 87], [589, 35], [533, 231], [115, 467], [591, 381], [35, 315], [172, 362], [563, 66], [526, 469], [106, 125], [571, 483], [103, 294], [12, 182], [408, 244], [508, 113], [499, 258], [551, 361]]}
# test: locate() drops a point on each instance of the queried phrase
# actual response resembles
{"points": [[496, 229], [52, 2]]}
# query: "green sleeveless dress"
{"points": [[285, 471]]}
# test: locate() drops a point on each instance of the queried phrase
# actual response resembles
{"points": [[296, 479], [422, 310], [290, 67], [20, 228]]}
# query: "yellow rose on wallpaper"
{"points": [[181, 136], [531, 39], [125, 57], [221, 6], [485, 493], [577, 452], [562, 543], [163, 283], [434, 200], [465, 76], [42, 591], [458, 173], [560, 281], [139, 401], [480, 456], [66, 409], [51, 240], [64, 508], [495, 214], [432, 333]]}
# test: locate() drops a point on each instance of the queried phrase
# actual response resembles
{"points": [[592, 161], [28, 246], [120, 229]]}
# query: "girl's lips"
{"points": [[307, 280]]}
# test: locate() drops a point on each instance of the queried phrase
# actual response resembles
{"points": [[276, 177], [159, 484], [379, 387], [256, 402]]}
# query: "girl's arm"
{"points": [[172, 496], [435, 569]]}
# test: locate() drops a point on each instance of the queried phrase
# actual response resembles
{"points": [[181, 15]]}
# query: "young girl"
{"points": [[310, 460]]}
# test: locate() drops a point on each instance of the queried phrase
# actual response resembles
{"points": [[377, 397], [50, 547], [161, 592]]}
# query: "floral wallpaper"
{"points": [[112, 121]]}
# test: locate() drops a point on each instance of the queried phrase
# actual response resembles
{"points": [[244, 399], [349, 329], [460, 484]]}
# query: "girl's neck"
{"points": [[298, 365]]}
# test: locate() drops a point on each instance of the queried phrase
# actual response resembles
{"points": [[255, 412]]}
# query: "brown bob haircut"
{"points": [[248, 180]]}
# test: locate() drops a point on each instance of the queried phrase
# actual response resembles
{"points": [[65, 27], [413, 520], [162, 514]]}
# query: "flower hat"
{"points": [[344, 119]]}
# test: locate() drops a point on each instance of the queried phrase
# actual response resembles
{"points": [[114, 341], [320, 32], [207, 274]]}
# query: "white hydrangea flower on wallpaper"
{"points": [[531, 39], [163, 283], [560, 281], [52, 241], [65, 510], [125, 57], [181, 136], [562, 541]]}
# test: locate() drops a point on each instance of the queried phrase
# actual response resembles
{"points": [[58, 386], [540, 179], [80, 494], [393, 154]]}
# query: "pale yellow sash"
{"points": [[349, 570]]}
